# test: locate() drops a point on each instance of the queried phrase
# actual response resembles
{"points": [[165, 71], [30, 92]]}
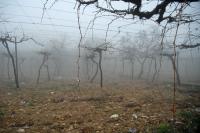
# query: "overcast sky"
{"points": [[61, 21]]}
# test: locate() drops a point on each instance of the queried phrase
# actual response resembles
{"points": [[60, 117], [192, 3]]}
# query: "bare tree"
{"points": [[155, 69], [141, 61], [170, 56], [21, 62], [87, 66], [136, 50], [129, 53], [57, 49], [7, 64], [6, 41], [44, 63], [99, 49], [156, 12], [134, 8], [92, 57], [175, 64]]}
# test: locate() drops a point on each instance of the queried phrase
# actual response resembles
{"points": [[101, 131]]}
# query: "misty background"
{"points": [[57, 29]]}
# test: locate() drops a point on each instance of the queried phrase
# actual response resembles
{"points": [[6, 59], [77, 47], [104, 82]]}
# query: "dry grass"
{"points": [[62, 108]]}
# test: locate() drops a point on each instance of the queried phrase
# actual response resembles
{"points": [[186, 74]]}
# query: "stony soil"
{"points": [[115, 108]]}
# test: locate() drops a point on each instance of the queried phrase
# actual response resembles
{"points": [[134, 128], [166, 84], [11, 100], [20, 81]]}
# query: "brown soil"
{"points": [[64, 108]]}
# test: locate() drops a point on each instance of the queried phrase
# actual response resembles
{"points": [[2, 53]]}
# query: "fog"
{"points": [[62, 65], [99, 66]]}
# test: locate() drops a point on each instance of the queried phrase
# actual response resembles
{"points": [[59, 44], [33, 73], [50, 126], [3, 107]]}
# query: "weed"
{"points": [[164, 128], [30, 103], [191, 121], [1, 114]]}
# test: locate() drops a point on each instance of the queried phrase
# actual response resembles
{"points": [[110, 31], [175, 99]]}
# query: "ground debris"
{"points": [[135, 116], [121, 110], [58, 99], [132, 130], [132, 104], [197, 109], [143, 116], [21, 130], [88, 130], [114, 116]]}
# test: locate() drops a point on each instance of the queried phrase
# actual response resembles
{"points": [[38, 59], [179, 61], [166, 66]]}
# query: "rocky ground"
{"points": [[116, 108]]}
